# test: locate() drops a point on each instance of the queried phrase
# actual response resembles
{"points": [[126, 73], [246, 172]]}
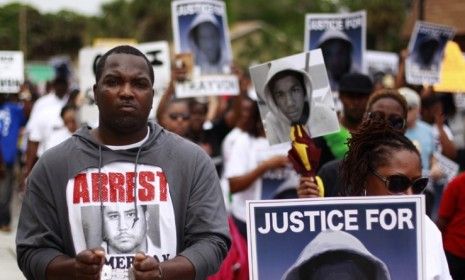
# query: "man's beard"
{"points": [[127, 124]]}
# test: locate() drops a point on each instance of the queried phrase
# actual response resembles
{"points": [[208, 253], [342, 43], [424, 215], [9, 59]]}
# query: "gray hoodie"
{"points": [[334, 242], [44, 229]]}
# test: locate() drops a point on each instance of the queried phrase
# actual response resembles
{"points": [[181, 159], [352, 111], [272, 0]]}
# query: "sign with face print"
{"points": [[200, 27], [378, 238], [294, 90]]}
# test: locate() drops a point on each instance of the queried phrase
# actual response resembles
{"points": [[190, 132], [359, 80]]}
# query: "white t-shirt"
{"points": [[436, 262], [45, 118], [246, 154], [57, 137], [226, 148]]}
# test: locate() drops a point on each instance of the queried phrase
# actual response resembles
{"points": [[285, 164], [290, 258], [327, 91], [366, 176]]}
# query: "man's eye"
{"points": [[141, 84], [111, 82], [113, 217]]}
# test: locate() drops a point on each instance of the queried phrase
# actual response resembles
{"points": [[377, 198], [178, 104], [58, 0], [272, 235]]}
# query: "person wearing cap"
{"points": [[354, 91], [422, 136]]}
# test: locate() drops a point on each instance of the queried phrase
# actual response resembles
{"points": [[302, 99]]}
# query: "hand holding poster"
{"points": [[354, 237], [341, 38], [294, 90], [426, 49], [200, 28], [11, 71]]}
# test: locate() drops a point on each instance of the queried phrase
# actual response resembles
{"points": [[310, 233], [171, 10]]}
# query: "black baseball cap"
{"points": [[356, 84]]}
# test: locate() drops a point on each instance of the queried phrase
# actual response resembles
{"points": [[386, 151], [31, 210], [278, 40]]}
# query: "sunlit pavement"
{"points": [[8, 267]]}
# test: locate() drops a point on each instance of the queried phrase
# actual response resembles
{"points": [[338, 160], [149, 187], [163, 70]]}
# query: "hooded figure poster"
{"points": [[294, 90], [350, 238], [200, 28], [426, 50], [341, 38]]}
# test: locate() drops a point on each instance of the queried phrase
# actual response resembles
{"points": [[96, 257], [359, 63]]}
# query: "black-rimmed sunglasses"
{"points": [[394, 120], [400, 183], [176, 116]]}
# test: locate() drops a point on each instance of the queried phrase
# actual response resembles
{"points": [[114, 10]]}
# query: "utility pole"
{"points": [[23, 29]]}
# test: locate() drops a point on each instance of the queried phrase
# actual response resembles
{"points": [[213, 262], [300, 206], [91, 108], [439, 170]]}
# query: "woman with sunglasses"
{"points": [[384, 103], [382, 161]]}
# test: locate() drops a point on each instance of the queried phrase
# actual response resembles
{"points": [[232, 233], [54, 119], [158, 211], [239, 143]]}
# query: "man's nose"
{"points": [[289, 99], [126, 90]]}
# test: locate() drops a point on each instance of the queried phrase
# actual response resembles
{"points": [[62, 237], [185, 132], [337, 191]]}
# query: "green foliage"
{"points": [[282, 34]]}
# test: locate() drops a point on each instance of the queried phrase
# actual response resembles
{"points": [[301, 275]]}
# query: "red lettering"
{"points": [[95, 186], [163, 186], [130, 186], [147, 190], [116, 181], [81, 189]]}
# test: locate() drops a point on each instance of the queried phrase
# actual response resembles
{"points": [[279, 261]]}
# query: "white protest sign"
{"points": [[449, 168], [11, 71]]}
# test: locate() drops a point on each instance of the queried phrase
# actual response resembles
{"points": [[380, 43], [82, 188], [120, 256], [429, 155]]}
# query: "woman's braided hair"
{"points": [[370, 147]]}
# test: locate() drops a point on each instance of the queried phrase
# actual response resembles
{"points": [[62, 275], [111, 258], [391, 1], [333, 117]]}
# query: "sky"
{"points": [[86, 7]]}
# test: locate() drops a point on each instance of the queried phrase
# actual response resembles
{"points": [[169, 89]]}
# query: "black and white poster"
{"points": [[339, 238], [294, 90], [200, 28], [342, 39], [426, 50]]}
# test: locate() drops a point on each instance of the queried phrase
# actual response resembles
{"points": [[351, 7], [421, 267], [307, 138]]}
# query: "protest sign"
{"points": [[379, 64], [452, 70], [156, 52], [384, 234], [341, 38], [449, 168], [308, 101], [426, 49], [11, 71], [200, 27]]}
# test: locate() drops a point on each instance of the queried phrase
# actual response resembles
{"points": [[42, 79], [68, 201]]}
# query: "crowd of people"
{"points": [[214, 156]]}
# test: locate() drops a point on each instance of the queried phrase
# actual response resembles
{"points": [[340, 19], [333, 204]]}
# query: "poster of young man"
{"points": [[157, 53], [200, 27], [11, 71], [337, 238], [380, 65], [294, 90], [341, 38], [426, 49]]}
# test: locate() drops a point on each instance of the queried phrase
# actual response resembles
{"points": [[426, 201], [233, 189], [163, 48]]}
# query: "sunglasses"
{"points": [[395, 121], [400, 183], [176, 116]]}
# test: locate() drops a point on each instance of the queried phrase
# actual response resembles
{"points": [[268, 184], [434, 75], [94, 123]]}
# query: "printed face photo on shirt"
{"points": [[122, 231]]}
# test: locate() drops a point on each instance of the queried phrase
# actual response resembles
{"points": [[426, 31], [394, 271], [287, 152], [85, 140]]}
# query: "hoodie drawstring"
{"points": [[136, 218]]}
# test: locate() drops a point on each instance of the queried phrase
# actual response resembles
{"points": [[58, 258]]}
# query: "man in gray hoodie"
{"points": [[124, 161]]}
